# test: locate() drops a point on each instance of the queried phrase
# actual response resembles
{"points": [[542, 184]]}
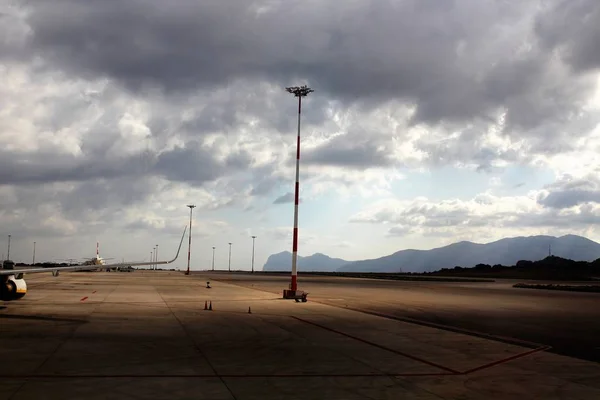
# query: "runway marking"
{"points": [[537, 346], [507, 359], [83, 298], [450, 370], [488, 336], [498, 338], [75, 376]]}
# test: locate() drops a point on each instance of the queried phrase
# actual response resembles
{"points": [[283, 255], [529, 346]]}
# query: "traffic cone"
{"points": [[205, 305], [249, 311], [210, 306]]}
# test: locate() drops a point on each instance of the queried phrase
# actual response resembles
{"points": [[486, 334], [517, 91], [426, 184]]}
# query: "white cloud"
{"points": [[486, 215]]}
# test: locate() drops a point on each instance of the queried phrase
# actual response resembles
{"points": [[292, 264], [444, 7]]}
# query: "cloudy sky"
{"points": [[432, 121]]}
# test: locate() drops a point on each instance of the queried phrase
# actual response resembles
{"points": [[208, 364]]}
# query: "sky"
{"points": [[431, 122]]}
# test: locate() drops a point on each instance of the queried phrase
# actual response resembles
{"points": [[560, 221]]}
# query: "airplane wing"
{"points": [[89, 267]]}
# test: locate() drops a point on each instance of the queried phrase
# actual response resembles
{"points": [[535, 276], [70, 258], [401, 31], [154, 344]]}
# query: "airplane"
{"points": [[96, 260], [99, 261], [14, 287]]}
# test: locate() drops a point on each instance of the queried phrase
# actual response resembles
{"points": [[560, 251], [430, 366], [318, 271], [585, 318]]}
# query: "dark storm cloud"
{"points": [[192, 164], [468, 148], [569, 192], [105, 198], [171, 228], [285, 198], [399, 231], [196, 165], [455, 60], [342, 151], [572, 27], [16, 168], [569, 198]]}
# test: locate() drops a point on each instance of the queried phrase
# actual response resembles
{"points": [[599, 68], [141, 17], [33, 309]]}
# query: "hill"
{"points": [[549, 268], [317, 262], [506, 251]]}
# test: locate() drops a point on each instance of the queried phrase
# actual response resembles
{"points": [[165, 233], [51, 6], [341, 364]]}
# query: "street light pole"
{"points": [[230, 257], [191, 206], [33, 261], [253, 237], [299, 92], [156, 257], [213, 262], [8, 253]]}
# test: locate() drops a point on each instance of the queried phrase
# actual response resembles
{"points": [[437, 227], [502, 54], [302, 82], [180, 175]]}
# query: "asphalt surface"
{"points": [[154, 334], [567, 321]]}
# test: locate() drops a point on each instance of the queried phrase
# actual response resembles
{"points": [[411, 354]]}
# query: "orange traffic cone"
{"points": [[210, 306], [249, 311], [205, 305]]}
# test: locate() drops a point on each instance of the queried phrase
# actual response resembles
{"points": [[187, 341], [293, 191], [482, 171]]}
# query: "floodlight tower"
{"points": [[229, 256], [8, 253], [156, 257], [191, 206], [33, 261], [253, 238], [299, 92], [213, 262]]}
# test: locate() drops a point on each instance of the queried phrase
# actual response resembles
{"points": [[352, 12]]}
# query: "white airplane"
{"points": [[96, 260], [13, 286]]}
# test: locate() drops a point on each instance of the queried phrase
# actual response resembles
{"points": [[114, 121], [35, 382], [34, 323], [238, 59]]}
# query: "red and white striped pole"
{"points": [[299, 92], [191, 206]]}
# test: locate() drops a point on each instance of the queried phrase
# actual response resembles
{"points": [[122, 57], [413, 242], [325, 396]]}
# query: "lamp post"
{"points": [[229, 256], [8, 253], [213, 262], [156, 257], [253, 237], [299, 92], [191, 206], [33, 261]]}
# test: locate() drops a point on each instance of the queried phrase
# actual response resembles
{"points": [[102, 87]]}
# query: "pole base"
{"points": [[298, 295]]}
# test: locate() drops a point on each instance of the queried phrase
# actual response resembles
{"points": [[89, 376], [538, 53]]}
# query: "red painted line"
{"points": [[451, 371], [70, 376], [504, 360], [83, 298]]}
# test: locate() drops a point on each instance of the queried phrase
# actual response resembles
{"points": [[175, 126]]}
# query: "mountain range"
{"points": [[465, 254]]}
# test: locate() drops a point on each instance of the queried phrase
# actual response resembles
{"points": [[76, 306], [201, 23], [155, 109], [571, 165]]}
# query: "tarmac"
{"points": [[147, 334], [569, 322]]}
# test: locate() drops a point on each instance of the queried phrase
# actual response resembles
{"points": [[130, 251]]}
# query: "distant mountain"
{"points": [[317, 262], [467, 254]]}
